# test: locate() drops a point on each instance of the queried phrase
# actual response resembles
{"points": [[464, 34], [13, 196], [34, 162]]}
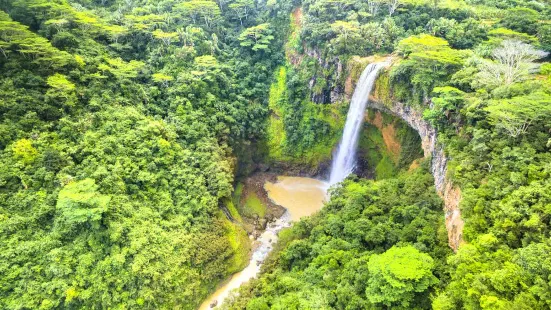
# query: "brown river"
{"points": [[301, 197]]}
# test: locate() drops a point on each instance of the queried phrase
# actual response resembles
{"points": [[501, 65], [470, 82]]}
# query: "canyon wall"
{"points": [[446, 190]]}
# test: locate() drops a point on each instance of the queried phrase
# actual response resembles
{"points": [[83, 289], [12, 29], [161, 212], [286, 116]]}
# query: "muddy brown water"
{"points": [[301, 197]]}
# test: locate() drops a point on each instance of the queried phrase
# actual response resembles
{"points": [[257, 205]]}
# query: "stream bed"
{"points": [[301, 197]]}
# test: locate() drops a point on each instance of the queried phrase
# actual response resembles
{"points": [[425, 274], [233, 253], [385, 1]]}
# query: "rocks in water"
{"points": [[214, 303], [262, 223]]}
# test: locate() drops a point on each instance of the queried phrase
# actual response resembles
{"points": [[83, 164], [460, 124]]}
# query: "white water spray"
{"points": [[344, 161]]}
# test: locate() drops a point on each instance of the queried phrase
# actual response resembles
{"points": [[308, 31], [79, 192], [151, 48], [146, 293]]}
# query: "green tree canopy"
{"points": [[513, 62], [79, 202], [257, 37], [517, 114], [206, 10], [397, 275], [122, 69]]}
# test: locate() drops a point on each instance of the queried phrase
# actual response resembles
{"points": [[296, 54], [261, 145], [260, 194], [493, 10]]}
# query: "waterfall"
{"points": [[344, 160]]}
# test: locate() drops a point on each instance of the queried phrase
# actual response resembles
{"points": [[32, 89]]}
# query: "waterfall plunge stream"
{"points": [[344, 160]]}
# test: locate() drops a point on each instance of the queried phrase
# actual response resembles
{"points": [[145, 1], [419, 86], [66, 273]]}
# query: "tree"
{"points": [[522, 20], [189, 35], [257, 37], [512, 62], [347, 37], [206, 62], [374, 36], [517, 114], [430, 61], [544, 36], [206, 9], [58, 24], [242, 9], [122, 69], [15, 37], [115, 32], [213, 44], [80, 202], [499, 34], [61, 89], [345, 29], [392, 6], [61, 84], [397, 275], [162, 78], [144, 22], [373, 6], [460, 35], [166, 37], [421, 43], [24, 151], [445, 106]]}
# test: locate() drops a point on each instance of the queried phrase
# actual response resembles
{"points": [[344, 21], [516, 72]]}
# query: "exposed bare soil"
{"points": [[388, 132]]}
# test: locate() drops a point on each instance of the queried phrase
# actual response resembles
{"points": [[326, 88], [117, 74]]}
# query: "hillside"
{"points": [[121, 129], [132, 133]]}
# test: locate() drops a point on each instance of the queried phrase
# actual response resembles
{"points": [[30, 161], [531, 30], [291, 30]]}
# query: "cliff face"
{"points": [[447, 191], [324, 87], [331, 91]]}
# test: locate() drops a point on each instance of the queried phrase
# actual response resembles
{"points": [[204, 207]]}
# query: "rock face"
{"points": [[446, 190], [332, 91]]}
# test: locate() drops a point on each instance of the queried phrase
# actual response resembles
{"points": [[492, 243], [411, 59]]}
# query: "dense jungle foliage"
{"points": [[123, 124]]}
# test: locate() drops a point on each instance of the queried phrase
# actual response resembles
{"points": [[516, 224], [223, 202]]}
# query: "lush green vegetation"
{"points": [[387, 145], [248, 204], [375, 244], [299, 131], [123, 125]]}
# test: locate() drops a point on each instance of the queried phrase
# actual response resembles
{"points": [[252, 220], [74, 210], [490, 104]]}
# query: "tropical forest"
{"points": [[275, 154]]}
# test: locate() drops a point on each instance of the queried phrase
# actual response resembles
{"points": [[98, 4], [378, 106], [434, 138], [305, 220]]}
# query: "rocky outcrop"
{"points": [[449, 193], [331, 91]]}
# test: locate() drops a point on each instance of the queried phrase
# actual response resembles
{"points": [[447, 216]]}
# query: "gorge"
{"points": [[300, 197], [304, 196]]}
